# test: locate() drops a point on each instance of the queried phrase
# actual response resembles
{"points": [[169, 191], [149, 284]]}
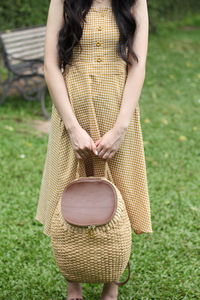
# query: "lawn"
{"points": [[165, 265]]}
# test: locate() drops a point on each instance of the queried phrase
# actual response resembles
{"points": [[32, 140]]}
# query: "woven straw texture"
{"points": [[97, 258], [95, 82]]}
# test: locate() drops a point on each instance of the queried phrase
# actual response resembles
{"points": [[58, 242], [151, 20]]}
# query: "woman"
{"points": [[95, 75]]}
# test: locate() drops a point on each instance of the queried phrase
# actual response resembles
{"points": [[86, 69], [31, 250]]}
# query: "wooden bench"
{"points": [[23, 56]]}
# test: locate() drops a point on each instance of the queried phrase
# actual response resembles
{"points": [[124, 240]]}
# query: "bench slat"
{"points": [[9, 42], [22, 49], [14, 61], [30, 52], [21, 43], [27, 32]]}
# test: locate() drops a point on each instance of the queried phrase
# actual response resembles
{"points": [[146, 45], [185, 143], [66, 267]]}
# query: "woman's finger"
{"points": [[99, 148], [86, 152], [102, 151], [111, 154], [82, 153], [77, 155], [106, 155]]}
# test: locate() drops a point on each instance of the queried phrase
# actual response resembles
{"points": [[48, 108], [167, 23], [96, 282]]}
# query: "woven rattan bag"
{"points": [[91, 232]]}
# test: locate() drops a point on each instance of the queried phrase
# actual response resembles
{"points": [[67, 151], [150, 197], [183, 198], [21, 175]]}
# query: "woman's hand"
{"points": [[82, 143], [109, 143]]}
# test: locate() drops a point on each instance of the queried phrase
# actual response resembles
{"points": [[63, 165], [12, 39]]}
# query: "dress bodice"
{"points": [[99, 44]]}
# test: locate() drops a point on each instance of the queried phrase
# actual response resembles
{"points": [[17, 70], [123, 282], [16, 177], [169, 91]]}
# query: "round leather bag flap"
{"points": [[87, 201]]}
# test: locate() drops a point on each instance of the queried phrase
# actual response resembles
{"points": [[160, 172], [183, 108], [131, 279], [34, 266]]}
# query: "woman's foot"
{"points": [[74, 290], [110, 291]]}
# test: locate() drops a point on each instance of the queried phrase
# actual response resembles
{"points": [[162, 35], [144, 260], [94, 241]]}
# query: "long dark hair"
{"points": [[74, 14]]}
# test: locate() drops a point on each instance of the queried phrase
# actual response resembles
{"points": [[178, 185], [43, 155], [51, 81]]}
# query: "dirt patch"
{"points": [[42, 126], [189, 28]]}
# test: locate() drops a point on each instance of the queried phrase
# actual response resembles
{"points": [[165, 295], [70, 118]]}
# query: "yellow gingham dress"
{"points": [[95, 84]]}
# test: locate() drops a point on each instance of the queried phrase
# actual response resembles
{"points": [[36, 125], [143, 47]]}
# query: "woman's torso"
{"points": [[99, 43]]}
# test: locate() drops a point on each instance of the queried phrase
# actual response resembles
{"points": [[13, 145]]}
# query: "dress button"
{"points": [[98, 44], [99, 59], [99, 28]]}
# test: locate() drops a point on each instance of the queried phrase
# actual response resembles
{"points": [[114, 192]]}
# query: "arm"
{"points": [[81, 142], [110, 142], [136, 72], [53, 75]]}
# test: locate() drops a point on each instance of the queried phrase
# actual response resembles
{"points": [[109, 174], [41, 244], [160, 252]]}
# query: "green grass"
{"points": [[165, 265]]}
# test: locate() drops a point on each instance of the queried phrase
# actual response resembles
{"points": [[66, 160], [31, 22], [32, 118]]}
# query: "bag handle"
{"points": [[95, 136], [91, 171], [125, 281]]}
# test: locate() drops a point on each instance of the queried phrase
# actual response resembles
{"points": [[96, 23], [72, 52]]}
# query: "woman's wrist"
{"points": [[120, 128], [72, 127]]}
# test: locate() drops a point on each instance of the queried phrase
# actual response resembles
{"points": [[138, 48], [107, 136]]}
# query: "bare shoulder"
{"points": [[55, 14], [57, 3], [139, 10], [54, 24]]}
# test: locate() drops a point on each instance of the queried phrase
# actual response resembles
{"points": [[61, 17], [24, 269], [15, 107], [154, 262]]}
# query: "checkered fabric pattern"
{"points": [[95, 83]]}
